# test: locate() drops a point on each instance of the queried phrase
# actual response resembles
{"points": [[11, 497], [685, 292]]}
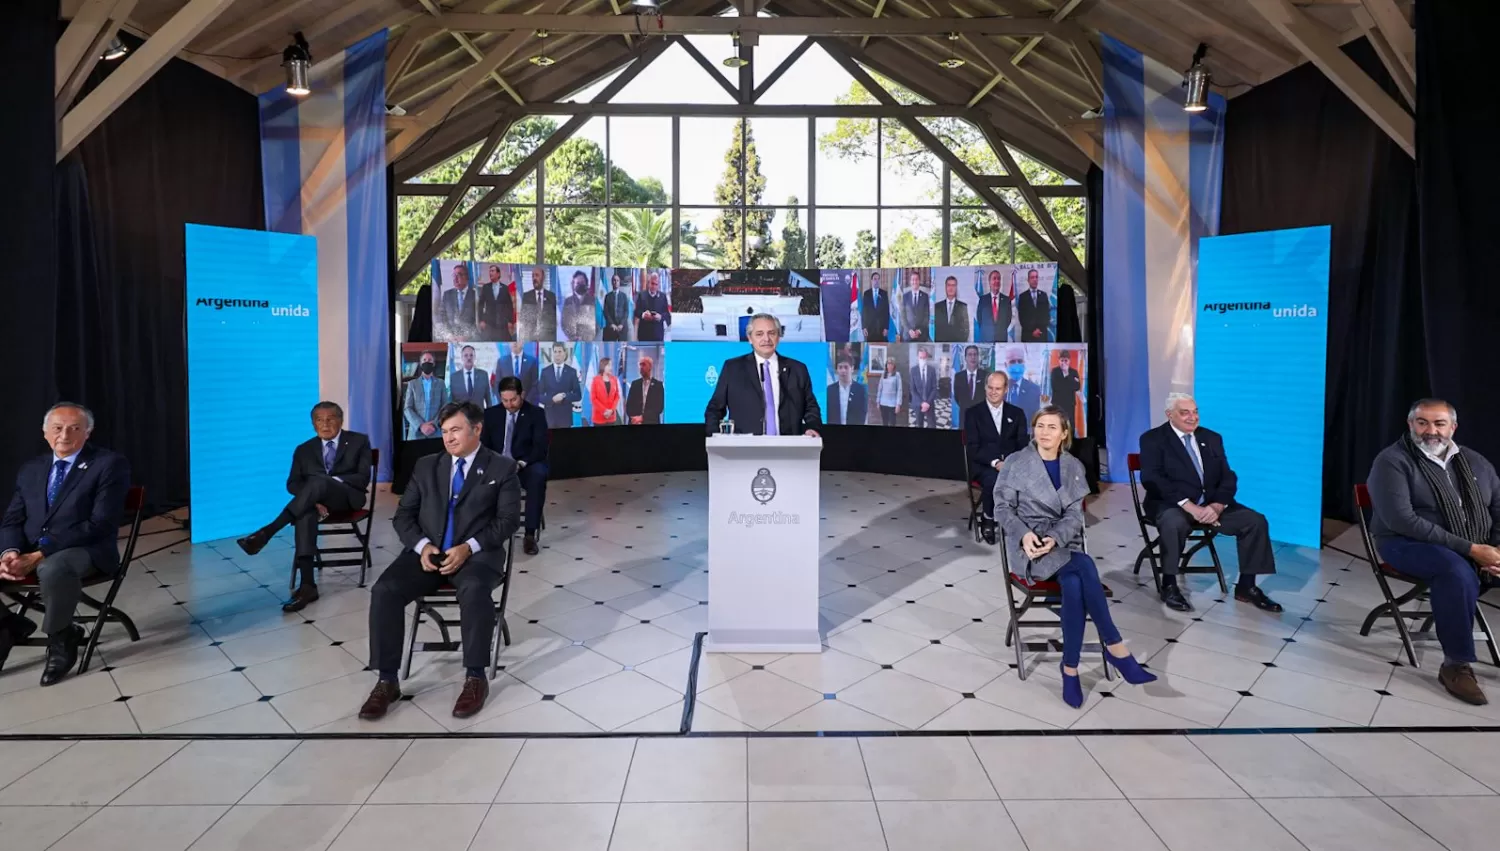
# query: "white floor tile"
{"points": [[295, 672], [568, 771], [1160, 767], [815, 826], [618, 699], [1268, 766], [1475, 754], [902, 698], [828, 672], [563, 670], [759, 699], [328, 772], [208, 772], [828, 716], [392, 827], [973, 714], [1071, 825], [1347, 824], [801, 769], [687, 770], [276, 828], [1043, 768], [1460, 824], [1392, 765], [925, 769], [948, 826], [952, 668], [681, 827], [29, 828], [529, 827], [132, 828], [1216, 824], [459, 771], [89, 773]]}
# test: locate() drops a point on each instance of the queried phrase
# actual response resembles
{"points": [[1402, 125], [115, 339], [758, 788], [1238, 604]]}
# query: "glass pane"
{"points": [[575, 235], [978, 237], [780, 161], [1037, 173], [960, 194], [710, 161], [789, 234], [909, 173], [911, 238], [448, 171], [674, 78], [716, 48], [640, 237], [640, 152], [576, 170], [520, 141], [699, 248], [815, 79], [846, 161], [846, 239], [966, 142], [506, 235], [1071, 216]]}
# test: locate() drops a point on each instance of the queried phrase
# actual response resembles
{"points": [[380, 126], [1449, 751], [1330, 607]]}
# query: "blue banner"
{"points": [[1261, 351]]}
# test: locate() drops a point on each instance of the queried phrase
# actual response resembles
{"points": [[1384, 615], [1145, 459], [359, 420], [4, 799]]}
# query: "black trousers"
{"points": [[534, 481], [335, 496], [1251, 533], [986, 477], [405, 581]]}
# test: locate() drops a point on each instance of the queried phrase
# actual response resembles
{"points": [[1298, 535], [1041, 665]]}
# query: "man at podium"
{"points": [[763, 392]]}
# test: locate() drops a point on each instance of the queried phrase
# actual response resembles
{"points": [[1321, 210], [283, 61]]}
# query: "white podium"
{"points": [[763, 544]]}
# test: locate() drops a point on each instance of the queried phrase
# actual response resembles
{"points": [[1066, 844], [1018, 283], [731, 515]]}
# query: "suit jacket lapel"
{"points": [[473, 475], [75, 472], [338, 451]]}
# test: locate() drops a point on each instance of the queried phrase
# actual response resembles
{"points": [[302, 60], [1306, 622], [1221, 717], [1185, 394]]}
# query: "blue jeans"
{"points": [[1453, 590], [1082, 592]]}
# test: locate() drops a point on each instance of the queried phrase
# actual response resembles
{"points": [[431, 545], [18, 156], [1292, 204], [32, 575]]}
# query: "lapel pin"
{"points": [[83, 466]]}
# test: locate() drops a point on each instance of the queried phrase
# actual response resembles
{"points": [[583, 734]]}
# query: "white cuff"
{"points": [[339, 479], [473, 546], [422, 545], [520, 465], [1182, 503]]}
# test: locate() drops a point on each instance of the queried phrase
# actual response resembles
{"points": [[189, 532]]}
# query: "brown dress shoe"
{"points": [[300, 598], [528, 545], [471, 698], [254, 542], [1460, 682], [379, 702]]}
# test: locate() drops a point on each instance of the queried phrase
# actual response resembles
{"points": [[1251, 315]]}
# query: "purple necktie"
{"points": [[328, 452], [765, 382]]}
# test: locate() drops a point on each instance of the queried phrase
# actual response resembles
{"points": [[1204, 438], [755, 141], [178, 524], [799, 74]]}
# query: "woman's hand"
{"points": [[1031, 545]]}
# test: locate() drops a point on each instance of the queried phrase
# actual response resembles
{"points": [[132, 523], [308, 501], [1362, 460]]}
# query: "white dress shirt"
{"points": [[772, 364], [997, 413], [468, 468], [1198, 456], [949, 315], [1440, 460], [844, 391]]}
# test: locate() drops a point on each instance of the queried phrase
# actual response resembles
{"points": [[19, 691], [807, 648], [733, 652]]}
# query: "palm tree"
{"points": [[641, 238]]}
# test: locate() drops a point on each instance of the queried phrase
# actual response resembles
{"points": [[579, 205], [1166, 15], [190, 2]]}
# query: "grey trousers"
{"points": [[61, 578]]}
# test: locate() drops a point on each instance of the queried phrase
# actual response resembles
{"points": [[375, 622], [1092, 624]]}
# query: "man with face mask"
{"points": [[1436, 517], [1023, 392], [646, 400], [426, 394], [578, 320]]}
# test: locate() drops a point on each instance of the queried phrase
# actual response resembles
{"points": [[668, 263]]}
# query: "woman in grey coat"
{"points": [[1039, 504]]}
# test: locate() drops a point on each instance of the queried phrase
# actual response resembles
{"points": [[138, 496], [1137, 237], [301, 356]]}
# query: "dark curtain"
{"points": [[1456, 132], [28, 147], [1298, 152], [185, 148]]}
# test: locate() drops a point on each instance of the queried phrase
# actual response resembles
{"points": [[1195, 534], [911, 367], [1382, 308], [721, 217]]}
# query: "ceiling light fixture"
{"points": [[647, 5], [115, 50], [954, 60], [736, 61], [297, 60], [1196, 81], [542, 60]]}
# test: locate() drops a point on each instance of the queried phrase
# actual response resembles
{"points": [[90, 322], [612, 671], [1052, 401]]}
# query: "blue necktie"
{"points": [[59, 472], [458, 485], [765, 382], [1187, 443], [328, 451]]}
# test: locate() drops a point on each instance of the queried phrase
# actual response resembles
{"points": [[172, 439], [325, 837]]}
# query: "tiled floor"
{"points": [[603, 623], [1257, 792]]}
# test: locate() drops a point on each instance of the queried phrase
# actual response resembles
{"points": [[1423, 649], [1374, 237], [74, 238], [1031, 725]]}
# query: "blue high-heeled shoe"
{"points": [[1072, 688], [1130, 669]]}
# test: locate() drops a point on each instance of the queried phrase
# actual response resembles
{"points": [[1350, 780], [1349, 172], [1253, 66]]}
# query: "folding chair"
{"points": [[446, 597], [976, 494], [1042, 594], [1199, 538], [346, 523], [28, 594], [1391, 608]]}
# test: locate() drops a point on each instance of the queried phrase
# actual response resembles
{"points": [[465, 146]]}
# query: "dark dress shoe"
{"points": [[379, 702], [528, 545], [254, 542], [1459, 680], [62, 654], [14, 629], [471, 698], [1172, 596], [987, 530], [300, 598], [1258, 599]]}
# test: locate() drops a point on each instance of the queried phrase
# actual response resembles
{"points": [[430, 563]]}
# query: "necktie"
{"points": [[1187, 443], [59, 472], [458, 485], [469, 384], [328, 450], [765, 383], [510, 426], [1015, 393]]}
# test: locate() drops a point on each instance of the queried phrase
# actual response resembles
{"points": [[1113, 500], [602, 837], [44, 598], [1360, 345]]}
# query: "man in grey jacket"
{"points": [[1436, 518]]}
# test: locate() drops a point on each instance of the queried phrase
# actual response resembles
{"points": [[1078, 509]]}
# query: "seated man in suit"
{"points": [[469, 383], [846, 398], [951, 322], [455, 521], [1188, 481], [968, 384], [992, 431], [517, 430], [1436, 518], [763, 392], [61, 525], [330, 472], [647, 398], [558, 388]]}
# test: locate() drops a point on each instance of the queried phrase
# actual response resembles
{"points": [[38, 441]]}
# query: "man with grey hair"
{"points": [[764, 392], [1189, 484], [61, 526], [1436, 517]]}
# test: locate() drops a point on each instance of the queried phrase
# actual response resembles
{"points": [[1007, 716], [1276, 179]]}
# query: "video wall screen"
{"points": [[605, 346]]}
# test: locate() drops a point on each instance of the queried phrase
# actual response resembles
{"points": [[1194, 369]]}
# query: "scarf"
{"points": [[1465, 518]]}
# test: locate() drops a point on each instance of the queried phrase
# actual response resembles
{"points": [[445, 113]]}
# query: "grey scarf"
{"points": [[1467, 517]]}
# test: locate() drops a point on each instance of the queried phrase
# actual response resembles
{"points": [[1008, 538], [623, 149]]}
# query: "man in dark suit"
{"points": [[994, 311], [61, 526], [539, 309], [646, 398], [517, 429], [846, 398], [460, 314], [467, 383], [968, 383], [497, 314], [1065, 385], [330, 472], [924, 383], [915, 310], [616, 311], [763, 392], [1034, 308], [992, 431], [557, 389], [875, 311], [951, 322], [454, 521], [1188, 482], [653, 314], [516, 362]]}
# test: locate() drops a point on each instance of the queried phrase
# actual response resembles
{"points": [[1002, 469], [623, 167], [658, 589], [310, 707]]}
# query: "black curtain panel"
{"points": [[184, 149], [1456, 132], [28, 148], [1298, 152]]}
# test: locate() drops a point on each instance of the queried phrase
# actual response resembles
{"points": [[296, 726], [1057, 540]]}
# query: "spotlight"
{"points": [[297, 60], [954, 60], [647, 4], [115, 50], [736, 61], [1196, 80]]}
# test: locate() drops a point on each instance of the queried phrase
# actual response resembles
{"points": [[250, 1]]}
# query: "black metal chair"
{"points": [[1042, 594], [1417, 593], [446, 598], [976, 494], [28, 594], [356, 524], [1201, 537]]}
